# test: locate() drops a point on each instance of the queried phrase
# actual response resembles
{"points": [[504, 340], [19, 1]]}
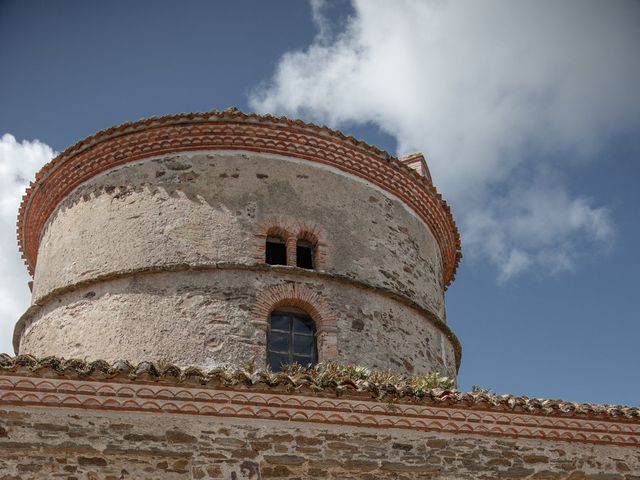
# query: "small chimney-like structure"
{"points": [[418, 163]]}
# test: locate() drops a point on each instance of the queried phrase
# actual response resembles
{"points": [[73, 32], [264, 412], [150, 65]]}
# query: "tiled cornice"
{"points": [[306, 396], [231, 130]]}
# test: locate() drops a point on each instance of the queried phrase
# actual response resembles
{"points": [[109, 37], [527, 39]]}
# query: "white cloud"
{"points": [[18, 163], [535, 223], [504, 97]]}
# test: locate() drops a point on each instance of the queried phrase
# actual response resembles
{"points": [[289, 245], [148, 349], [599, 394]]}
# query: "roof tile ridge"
{"points": [[231, 113], [313, 380], [211, 115]]}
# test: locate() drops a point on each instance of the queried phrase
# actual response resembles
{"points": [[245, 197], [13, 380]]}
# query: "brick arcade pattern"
{"points": [[239, 402], [232, 130], [139, 425]]}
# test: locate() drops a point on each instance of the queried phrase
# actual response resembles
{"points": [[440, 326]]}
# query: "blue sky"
{"points": [[528, 113]]}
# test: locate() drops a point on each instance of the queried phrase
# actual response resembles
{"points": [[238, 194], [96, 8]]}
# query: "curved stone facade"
{"points": [[208, 318], [163, 258]]}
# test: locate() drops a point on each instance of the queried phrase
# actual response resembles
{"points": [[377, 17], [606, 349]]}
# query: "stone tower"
{"points": [[187, 238], [224, 238]]}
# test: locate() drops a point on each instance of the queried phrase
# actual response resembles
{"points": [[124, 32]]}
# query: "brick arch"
{"points": [[314, 235], [272, 228], [301, 297], [310, 233], [277, 231]]}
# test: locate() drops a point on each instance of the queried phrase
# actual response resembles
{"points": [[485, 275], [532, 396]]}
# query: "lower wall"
{"points": [[73, 421], [68, 443]]}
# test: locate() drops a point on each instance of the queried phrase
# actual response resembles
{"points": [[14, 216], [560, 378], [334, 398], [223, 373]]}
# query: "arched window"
{"points": [[276, 251], [305, 254], [291, 339]]}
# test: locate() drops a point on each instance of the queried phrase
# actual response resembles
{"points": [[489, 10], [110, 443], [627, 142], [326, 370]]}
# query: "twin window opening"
{"points": [[276, 253]]}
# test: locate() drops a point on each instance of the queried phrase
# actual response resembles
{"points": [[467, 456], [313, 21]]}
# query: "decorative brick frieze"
{"points": [[231, 130], [261, 402]]}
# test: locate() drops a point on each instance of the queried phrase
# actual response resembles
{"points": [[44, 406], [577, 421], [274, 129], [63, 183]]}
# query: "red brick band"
{"points": [[25, 390], [231, 130]]}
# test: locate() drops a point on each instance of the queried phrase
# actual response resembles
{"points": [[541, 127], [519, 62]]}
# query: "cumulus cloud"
{"points": [[504, 98], [536, 222], [18, 163]]}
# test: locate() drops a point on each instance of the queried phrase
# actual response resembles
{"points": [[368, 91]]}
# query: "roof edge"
{"points": [[26, 238], [323, 379]]}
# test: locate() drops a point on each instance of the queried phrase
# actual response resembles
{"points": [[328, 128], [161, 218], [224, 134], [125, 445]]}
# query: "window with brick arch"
{"points": [[276, 251], [305, 255], [291, 339]]}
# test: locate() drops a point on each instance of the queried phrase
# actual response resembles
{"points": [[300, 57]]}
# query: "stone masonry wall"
{"points": [[76, 443], [208, 208], [206, 318], [201, 218], [235, 131]]}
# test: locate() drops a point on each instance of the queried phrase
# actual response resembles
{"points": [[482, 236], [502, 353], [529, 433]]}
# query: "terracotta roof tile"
{"points": [[323, 379], [93, 155]]}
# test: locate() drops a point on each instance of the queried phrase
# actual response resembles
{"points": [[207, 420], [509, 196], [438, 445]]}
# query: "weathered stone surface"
{"points": [[216, 324], [156, 221], [183, 447], [382, 267], [97, 461], [176, 436]]}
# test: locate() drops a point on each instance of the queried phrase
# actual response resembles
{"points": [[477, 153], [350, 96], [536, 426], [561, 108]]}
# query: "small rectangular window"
{"points": [[304, 255], [276, 251]]}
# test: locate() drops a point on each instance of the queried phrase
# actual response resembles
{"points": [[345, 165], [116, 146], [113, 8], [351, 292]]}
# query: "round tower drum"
{"points": [[184, 238]]}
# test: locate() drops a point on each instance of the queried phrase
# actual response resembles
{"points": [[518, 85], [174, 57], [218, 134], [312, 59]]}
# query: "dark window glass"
{"points": [[279, 322], [304, 254], [276, 360], [276, 251], [280, 342], [302, 344], [304, 361], [303, 327], [291, 339]]}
